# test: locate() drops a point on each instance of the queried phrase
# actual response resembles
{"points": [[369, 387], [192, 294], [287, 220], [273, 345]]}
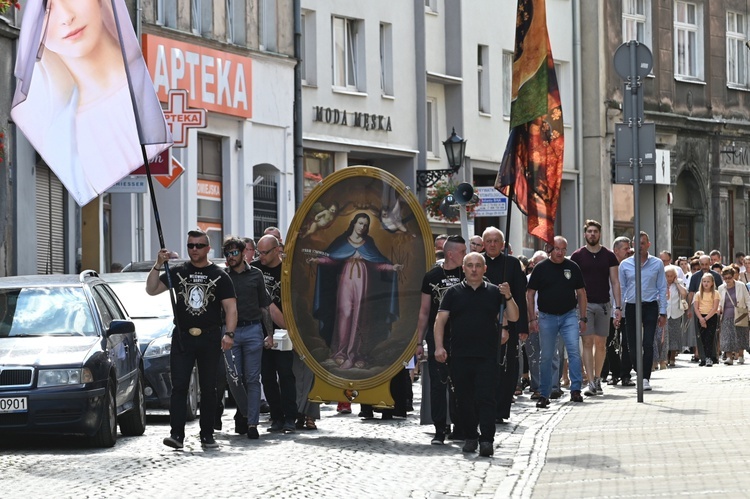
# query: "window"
{"points": [[483, 78], [267, 25], [318, 165], [386, 58], [433, 147], [346, 54], [210, 190], [430, 6], [688, 39], [635, 22], [507, 82], [166, 13], [736, 51], [561, 72], [236, 16], [309, 62]]}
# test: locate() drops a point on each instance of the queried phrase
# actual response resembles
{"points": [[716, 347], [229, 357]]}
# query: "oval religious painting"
{"points": [[356, 254]]}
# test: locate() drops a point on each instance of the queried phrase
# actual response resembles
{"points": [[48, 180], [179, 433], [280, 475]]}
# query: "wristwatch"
{"points": [[583, 319], [229, 333]]}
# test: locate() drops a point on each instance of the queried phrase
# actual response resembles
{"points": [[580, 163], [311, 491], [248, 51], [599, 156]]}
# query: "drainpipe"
{"points": [[578, 109], [298, 150]]}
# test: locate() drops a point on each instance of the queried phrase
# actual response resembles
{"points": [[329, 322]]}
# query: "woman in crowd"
{"points": [[734, 304], [706, 307], [676, 294]]}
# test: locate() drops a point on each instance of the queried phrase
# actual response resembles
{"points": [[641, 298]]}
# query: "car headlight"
{"points": [[61, 377], [160, 347]]}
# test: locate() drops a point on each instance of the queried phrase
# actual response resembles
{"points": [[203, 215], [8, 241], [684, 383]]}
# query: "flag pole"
{"points": [[154, 206], [502, 357]]}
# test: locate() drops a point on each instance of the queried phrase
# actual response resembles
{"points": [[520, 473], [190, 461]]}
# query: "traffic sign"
{"points": [[644, 60], [168, 180]]}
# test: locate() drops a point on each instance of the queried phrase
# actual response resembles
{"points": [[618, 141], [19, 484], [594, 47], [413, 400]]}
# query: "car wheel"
{"points": [[133, 422], [106, 435], [192, 397]]}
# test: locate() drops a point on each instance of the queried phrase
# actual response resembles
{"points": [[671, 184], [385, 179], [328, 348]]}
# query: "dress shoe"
{"points": [[542, 403], [556, 394], [277, 426], [486, 449], [470, 445], [576, 396]]}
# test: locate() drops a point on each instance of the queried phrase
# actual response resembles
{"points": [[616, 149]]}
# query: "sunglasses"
{"points": [[264, 253], [196, 245], [233, 252]]}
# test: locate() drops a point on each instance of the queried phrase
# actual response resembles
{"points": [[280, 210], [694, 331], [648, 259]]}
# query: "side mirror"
{"points": [[120, 327]]}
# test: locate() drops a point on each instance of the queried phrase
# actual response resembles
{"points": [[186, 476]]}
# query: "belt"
{"points": [[247, 323], [196, 331]]}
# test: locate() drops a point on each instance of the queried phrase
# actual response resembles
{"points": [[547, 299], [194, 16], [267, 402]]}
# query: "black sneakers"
{"points": [[252, 433], [174, 441], [438, 439], [208, 442]]}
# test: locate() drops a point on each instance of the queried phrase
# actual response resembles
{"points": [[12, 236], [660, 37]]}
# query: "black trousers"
{"points": [[205, 352], [281, 395], [649, 317], [475, 381], [507, 378], [708, 337], [442, 398]]}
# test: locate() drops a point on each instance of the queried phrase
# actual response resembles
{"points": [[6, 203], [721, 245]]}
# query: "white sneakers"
{"points": [[646, 386]]}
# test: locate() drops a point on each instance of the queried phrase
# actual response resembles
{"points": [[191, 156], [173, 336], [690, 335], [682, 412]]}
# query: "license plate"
{"points": [[13, 404]]}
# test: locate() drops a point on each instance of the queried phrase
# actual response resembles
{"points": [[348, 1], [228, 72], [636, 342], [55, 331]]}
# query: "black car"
{"points": [[153, 318], [69, 359]]}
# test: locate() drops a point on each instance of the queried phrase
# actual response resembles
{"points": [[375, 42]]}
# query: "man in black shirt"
{"points": [[559, 282], [472, 308], [203, 291], [434, 285], [281, 395], [253, 316], [501, 268]]}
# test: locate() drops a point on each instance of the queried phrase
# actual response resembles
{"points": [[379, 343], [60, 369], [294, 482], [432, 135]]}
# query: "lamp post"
{"points": [[455, 148]]}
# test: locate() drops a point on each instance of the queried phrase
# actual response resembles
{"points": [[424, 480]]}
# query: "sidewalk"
{"points": [[688, 438]]}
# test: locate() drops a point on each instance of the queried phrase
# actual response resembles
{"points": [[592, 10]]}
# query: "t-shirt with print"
{"points": [[200, 291], [272, 278], [435, 283]]}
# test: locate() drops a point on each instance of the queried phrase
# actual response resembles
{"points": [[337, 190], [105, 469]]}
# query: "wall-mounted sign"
{"points": [[355, 119], [129, 185], [217, 81], [179, 117], [494, 204], [159, 165]]}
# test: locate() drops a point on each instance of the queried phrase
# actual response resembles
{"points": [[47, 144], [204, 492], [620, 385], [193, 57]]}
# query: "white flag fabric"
{"points": [[80, 77]]}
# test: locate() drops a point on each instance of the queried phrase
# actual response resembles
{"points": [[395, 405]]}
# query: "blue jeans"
{"points": [[247, 351], [550, 326]]}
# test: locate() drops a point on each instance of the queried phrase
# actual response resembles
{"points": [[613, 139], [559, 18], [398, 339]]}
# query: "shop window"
{"points": [[209, 190]]}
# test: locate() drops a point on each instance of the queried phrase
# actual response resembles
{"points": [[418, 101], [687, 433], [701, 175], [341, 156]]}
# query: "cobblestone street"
{"points": [[608, 446]]}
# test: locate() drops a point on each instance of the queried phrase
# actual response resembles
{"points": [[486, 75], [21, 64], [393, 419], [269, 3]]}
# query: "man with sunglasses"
{"points": [[203, 291], [253, 316], [281, 395]]}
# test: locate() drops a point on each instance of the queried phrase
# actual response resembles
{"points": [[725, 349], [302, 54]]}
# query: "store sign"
{"points": [[493, 203], [159, 165], [215, 80], [209, 189], [352, 118], [179, 117], [129, 185]]}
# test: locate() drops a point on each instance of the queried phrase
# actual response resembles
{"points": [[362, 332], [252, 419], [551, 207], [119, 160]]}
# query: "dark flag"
{"points": [[531, 170], [84, 97]]}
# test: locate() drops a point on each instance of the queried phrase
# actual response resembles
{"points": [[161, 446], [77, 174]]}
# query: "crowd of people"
{"points": [[491, 327]]}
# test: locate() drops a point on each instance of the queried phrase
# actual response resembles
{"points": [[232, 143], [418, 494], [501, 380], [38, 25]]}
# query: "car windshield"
{"points": [[138, 303], [53, 311]]}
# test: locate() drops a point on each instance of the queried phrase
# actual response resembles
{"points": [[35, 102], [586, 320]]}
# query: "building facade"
{"points": [[697, 96]]}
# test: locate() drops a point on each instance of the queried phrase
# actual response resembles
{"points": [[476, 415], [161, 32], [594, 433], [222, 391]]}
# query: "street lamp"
{"points": [[455, 148]]}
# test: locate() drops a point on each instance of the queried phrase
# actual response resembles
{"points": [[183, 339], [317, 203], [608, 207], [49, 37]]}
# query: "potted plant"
{"points": [[7, 4]]}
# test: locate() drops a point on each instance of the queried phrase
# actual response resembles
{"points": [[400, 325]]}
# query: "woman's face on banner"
{"points": [[75, 27]]}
